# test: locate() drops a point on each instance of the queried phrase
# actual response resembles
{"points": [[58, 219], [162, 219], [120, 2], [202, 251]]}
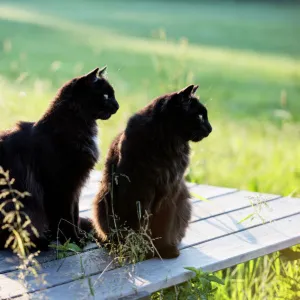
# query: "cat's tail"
{"points": [[100, 216]]}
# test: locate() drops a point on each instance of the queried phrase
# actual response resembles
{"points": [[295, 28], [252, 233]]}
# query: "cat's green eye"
{"points": [[201, 118]]}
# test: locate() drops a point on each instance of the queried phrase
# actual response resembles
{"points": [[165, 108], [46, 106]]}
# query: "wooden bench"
{"points": [[216, 239]]}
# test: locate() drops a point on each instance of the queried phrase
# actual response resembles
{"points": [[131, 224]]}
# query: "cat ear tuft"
{"points": [[195, 89], [187, 91], [92, 76], [102, 72]]}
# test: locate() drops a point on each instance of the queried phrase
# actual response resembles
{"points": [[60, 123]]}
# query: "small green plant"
{"points": [[65, 250], [259, 205], [134, 245], [90, 284], [200, 287], [15, 221], [286, 267], [18, 225], [199, 197], [62, 251], [124, 244]]}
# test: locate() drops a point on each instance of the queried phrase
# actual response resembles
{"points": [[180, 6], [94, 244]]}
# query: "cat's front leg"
{"points": [[83, 225], [183, 212], [161, 228], [63, 226]]}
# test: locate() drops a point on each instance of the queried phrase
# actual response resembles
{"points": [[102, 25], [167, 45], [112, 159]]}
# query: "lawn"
{"points": [[245, 57]]}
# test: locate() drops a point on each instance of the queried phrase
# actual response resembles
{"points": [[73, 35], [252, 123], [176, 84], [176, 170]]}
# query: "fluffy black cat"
{"points": [[52, 158], [146, 165]]}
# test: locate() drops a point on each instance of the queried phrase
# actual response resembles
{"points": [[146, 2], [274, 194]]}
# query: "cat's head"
{"points": [[95, 95], [188, 115]]}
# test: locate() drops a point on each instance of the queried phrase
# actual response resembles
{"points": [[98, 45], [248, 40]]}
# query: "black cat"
{"points": [[52, 158], [146, 164]]}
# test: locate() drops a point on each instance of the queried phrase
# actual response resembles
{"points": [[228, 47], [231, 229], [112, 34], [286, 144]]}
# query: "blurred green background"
{"points": [[245, 56]]}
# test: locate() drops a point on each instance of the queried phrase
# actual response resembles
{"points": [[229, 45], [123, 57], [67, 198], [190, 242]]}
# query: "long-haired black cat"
{"points": [[52, 158], [146, 165]]}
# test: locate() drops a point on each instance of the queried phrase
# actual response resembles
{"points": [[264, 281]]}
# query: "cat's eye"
{"points": [[105, 96], [201, 118]]}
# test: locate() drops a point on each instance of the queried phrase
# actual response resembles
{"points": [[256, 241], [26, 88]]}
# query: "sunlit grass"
{"points": [[273, 66], [246, 154]]}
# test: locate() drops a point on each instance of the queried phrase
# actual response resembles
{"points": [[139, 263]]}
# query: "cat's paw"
{"points": [[169, 251], [84, 238], [85, 225], [68, 235]]}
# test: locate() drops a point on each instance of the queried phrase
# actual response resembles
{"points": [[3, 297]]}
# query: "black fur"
{"points": [[52, 158], [149, 159]]}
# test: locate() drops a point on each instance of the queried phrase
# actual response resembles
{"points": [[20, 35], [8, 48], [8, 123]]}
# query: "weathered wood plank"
{"points": [[201, 210], [228, 203], [211, 227], [153, 275], [223, 225], [199, 232], [205, 191], [219, 204], [9, 262], [92, 186], [209, 191], [222, 204], [57, 272], [95, 176]]}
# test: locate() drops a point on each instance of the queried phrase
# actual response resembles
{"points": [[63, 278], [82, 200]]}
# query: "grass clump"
{"points": [[201, 287], [18, 225], [64, 250], [128, 246], [274, 276], [125, 244]]}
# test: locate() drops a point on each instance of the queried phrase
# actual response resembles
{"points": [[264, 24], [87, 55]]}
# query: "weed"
{"points": [[259, 205], [62, 250], [200, 287], [18, 225], [125, 244]]}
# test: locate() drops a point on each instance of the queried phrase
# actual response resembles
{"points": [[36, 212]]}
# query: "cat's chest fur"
{"points": [[90, 144], [95, 150], [175, 167], [168, 169]]}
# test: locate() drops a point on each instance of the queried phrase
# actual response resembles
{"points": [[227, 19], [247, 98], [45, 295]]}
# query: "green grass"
{"points": [[245, 56]]}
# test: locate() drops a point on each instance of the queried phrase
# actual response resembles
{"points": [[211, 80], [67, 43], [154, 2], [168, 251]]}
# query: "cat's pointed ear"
{"points": [[187, 91], [92, 76], [102, 72], [195, 89]]}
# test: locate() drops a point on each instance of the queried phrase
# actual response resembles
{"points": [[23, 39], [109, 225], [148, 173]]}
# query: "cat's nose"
{"points": [[207, 130], [115, 105]]}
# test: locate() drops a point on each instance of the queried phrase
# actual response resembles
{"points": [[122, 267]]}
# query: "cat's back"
{"points": [[15, 143], [113, 155], [139, 136], [149, 155], [17, 135]]}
